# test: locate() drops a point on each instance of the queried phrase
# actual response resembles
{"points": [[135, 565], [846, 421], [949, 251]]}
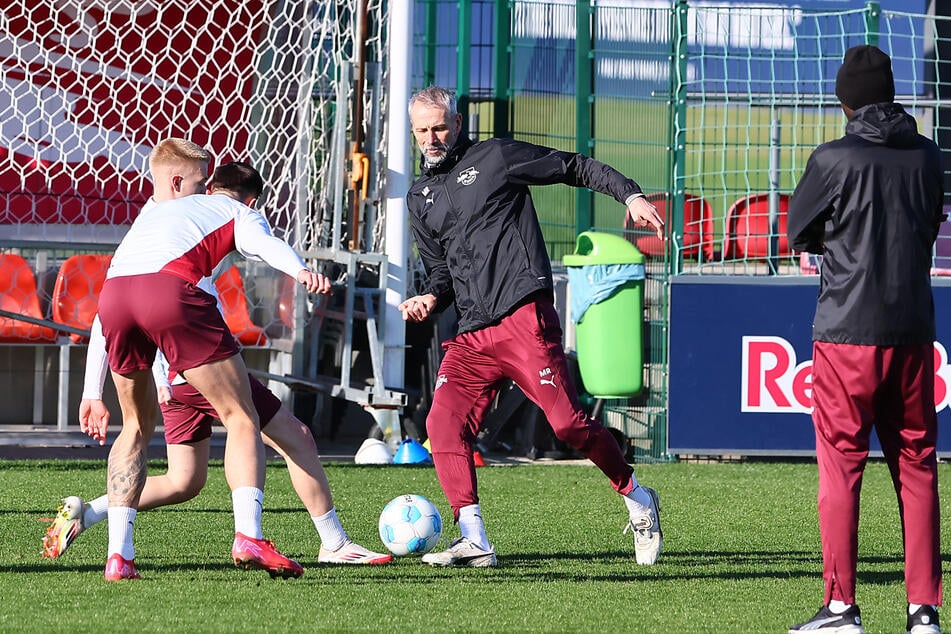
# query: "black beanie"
{"points": [[865, 77]]}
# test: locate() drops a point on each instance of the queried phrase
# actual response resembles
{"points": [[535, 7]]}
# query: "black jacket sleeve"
{"points": [[810, 207], [529, 164], [438, 280]]}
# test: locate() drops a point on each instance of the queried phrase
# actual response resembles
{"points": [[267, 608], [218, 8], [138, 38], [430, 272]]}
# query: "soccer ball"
{"points": [[410, 525]]}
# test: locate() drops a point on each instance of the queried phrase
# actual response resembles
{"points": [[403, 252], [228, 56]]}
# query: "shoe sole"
{"points": [[477, 562], [365, 562], [844, 629], [283, 573], [51, 545]]}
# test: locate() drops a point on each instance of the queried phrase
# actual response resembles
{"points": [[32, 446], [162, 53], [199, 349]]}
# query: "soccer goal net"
{"points": [[90, 86]]}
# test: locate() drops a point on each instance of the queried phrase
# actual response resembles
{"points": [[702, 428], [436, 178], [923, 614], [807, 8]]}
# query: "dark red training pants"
{"points": [[855, 388], [525, 347]]}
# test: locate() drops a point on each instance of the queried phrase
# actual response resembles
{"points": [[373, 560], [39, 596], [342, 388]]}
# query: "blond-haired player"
{"points": [[178, 168]]}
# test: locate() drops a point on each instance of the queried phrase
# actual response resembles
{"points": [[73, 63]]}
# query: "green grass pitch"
{"points": [[741, 554]]}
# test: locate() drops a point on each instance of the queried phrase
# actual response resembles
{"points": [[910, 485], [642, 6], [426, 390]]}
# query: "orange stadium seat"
{"points": [[698, 228], [76, 292], [234, 302], [18, 294], [748, 231]]}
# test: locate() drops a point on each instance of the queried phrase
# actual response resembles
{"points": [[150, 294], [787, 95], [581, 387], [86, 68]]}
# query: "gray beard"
{"points": [[430, 163]]}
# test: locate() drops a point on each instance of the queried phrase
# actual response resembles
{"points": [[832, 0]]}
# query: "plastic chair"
{"points": [[285, 303], [234, 302], [747, 228], [76, 292], [698, 228], [18, 295]]}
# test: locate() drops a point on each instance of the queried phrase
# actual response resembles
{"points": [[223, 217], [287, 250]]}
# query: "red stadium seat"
{"points": [[698, 228], [234, 302], [18, 294], [76, 292], [747, 228]]}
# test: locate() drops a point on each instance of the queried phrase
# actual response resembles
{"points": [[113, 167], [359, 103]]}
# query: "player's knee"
{"points": [[446, 428], [577, 432], [285, 431]]}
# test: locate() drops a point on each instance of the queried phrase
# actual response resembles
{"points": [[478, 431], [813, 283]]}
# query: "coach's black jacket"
{"points": [[871, 203], [476, 228]]}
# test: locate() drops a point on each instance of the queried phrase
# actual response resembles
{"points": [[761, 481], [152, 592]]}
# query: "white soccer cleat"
{"points": [[352, 553], [462, 552], [65, 528], [648, 537]]}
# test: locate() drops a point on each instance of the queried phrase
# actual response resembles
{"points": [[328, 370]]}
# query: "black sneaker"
{"points": [[828, 622], [924, 621]]}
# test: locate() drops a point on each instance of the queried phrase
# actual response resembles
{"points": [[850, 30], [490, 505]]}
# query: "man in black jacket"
{"points": [[871, 203], [479, 239]]}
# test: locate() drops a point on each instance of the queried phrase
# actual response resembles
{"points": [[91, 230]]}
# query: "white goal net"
{"points": [[90, 86]]}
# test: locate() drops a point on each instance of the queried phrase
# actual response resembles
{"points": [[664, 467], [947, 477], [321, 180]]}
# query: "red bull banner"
{"points": [[741, 365]]}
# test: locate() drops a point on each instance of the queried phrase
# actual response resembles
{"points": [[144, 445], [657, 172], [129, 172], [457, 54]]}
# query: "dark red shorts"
{"points": [[140, 313], [188, 417]]}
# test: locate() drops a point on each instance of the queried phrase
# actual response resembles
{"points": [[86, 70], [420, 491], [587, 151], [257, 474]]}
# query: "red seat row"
{"points": [[75, 300]]}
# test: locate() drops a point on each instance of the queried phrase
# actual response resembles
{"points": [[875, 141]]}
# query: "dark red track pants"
{"points": [[855, 388], [525, 347]]}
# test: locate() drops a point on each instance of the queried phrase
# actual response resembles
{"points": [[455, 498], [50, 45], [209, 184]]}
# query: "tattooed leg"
{"points": [[127, 459]]}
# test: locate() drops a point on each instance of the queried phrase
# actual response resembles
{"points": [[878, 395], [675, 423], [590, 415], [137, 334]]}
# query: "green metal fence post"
{"points": [[503, 65], [873, 16], [429, 46], [678, 137], [464, 57], [584, 106]]}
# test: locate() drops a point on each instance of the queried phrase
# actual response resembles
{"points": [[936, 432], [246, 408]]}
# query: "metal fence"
{"points": [[713, 109]]}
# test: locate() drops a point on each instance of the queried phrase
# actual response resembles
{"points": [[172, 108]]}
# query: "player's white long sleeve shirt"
{"points": [[205, 225], [189, 236]]}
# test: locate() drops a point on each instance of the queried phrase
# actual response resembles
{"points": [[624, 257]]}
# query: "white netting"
{"points": [[90, 86]]}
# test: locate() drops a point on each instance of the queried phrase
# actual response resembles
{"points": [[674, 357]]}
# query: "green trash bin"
{"points": [[606, 281]]}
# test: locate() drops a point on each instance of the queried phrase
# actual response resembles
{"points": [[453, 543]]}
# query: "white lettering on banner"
{"points": [[772, 380]]}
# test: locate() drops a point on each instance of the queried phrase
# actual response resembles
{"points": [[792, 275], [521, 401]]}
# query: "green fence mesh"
{"points": [[714, 110]]}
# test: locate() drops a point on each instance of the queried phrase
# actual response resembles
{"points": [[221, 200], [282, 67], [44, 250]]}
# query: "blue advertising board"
{"points": [[740, 365]]}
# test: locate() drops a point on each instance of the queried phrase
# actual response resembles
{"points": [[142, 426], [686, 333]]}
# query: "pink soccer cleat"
{"points": [[118, 568], [248, 553]]}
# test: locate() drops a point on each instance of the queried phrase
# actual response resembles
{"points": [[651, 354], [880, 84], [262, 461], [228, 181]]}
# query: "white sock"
{"points": [[914, 607], [838, 607], [472, 527], [637, 500], [95, 511], [332, 535], [121, 521], [247, 503]]}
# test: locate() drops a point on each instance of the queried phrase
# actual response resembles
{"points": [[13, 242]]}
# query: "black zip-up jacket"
{"points": [[476, 228], [871, 204]]}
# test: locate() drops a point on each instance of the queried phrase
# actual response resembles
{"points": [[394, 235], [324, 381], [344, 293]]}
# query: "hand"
{"points": [[164, 394], [644, 214], [418, 308], [315, 282], [94, 419]]}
